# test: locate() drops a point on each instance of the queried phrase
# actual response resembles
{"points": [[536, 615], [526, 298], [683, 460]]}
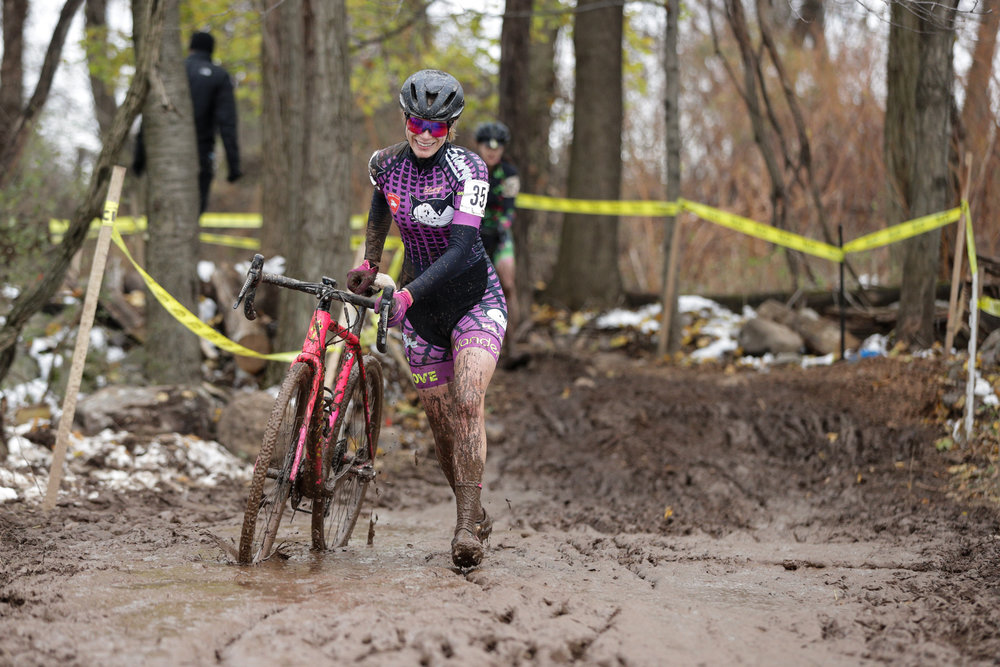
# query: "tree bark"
{"points": [[307, 151], [670, 332], [20, 129], [515, 72], [15, 13], [36, 294], [920, 76], [171, 207], [587, 272], [95, 12]]}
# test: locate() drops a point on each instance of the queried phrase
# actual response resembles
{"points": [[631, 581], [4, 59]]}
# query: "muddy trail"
{"points": [[645, 515]]}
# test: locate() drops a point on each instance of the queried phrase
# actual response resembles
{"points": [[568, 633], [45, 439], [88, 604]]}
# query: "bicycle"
{"points": [[319, 443]]}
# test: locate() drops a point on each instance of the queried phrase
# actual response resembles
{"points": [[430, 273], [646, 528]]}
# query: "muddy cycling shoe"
{"points": [[466, 548], [484, 527], [467, 545]]}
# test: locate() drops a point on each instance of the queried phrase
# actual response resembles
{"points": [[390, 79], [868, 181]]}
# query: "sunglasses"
{"points": [[437, 128]]}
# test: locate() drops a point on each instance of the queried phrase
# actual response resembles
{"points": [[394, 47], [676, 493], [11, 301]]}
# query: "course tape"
{"points": [[903, 231], [189, 319], [597, 206], [199, 328], [731, 221], [133, 225], [746, 226], [766, 232]]}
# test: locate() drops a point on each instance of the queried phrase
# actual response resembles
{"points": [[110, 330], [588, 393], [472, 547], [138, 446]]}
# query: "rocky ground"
{"points": [[646, 514]]}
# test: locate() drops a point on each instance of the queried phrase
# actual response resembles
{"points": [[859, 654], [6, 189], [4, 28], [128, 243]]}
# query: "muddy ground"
{"points": [[646, 514]]}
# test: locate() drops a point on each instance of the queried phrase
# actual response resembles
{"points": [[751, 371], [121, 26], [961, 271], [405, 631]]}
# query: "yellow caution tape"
{"points": [[133, 225], [230, 241], [231, 220], [989, 305], [596, 206], [199, 328], [903, 231], [765, 232], [189, 319]]}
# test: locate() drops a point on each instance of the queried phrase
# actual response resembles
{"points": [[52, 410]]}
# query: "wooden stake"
{"points": [[954, 302], [83, 336], [667, 296]]}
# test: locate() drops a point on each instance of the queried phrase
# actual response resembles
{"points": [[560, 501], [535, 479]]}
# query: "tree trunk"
{"points": [[515, 69], [172, 209], [670, 339], [307, 99], [587, 273], [19, 128], [105, 106], [918, 129], [36, 294], [977, 116], [15, 13]]}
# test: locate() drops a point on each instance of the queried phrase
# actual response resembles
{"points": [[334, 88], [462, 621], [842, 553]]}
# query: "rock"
{"points": [[989, 350], [820, 335], [760, 336], [147, 411], [242, 422]]}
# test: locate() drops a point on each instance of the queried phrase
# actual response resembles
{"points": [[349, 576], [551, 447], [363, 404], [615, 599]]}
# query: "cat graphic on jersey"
{"points": [[433, 212]]}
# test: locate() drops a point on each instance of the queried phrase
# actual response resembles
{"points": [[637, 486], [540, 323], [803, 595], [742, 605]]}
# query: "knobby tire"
{"points": [[349, 459], [269, 491]]}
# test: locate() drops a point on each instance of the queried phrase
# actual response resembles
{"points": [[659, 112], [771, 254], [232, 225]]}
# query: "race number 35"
{"points": [[474, 197]]}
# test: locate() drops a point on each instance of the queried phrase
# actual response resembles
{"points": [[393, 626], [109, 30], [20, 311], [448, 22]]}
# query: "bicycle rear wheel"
{"points": [[349, 464], [271, 483]]}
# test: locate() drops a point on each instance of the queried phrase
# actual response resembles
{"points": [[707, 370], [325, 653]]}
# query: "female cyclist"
{"points": [[450, 306]]}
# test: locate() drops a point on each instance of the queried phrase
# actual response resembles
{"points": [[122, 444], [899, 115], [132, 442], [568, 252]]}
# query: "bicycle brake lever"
{"points": [[249, 289], [382, 335]]}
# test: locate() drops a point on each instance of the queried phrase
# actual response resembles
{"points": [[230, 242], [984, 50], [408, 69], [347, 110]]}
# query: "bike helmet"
{"points": [[432, 95], [494, 134]]}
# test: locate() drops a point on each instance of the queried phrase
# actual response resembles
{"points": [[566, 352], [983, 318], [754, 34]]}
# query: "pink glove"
{"points": [[401, 301], [361, 279]]}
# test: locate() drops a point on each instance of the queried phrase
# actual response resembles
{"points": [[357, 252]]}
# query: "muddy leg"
{"points": [[435, 405], [473, 371]]}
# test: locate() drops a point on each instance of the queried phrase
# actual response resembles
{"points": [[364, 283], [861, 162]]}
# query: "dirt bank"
{"points": [[646, 515]]}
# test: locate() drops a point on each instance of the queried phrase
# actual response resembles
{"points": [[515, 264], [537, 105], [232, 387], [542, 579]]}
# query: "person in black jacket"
{"points": [[214, 113]]}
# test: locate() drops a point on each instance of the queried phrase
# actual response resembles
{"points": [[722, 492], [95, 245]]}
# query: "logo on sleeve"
{"points": [[393, 200]]}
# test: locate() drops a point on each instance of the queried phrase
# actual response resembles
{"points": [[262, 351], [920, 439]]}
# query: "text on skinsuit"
{"points": [[421, 378], [479, 341]]}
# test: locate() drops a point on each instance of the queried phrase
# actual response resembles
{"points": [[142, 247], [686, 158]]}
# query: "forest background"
{"points": [[812, 116]]}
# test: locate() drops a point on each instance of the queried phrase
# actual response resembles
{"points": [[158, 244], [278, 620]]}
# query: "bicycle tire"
{"points": [[271, 486], [349, 461]]}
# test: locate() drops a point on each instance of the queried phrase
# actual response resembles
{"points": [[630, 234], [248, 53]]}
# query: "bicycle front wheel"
{"points": [[348, 466], [271, 483]]}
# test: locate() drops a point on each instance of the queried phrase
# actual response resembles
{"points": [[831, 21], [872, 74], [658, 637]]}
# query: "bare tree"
{"points": [[38, 292], [96, 15], [171, 205], [307, 144], [917, 139], [670, 333], [515, 71], [14, 135], [587, 272], [15, 13]]}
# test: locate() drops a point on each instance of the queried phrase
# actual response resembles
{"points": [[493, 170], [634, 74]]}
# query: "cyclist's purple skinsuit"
{"points": [[438, 203]]}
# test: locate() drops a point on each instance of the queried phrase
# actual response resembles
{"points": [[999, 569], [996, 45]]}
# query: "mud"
{"points": [[645, 515]]}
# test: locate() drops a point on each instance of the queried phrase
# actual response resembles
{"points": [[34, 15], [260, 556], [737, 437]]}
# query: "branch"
{"points": [[22, 125]]}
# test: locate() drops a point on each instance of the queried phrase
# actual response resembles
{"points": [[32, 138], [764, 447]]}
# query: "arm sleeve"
{"points": [[448, 265], [379, 222], [509, 189], [225, 117]]}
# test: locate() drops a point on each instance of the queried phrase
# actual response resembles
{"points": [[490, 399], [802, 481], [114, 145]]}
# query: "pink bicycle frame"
{"points": [[313, 353]]}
